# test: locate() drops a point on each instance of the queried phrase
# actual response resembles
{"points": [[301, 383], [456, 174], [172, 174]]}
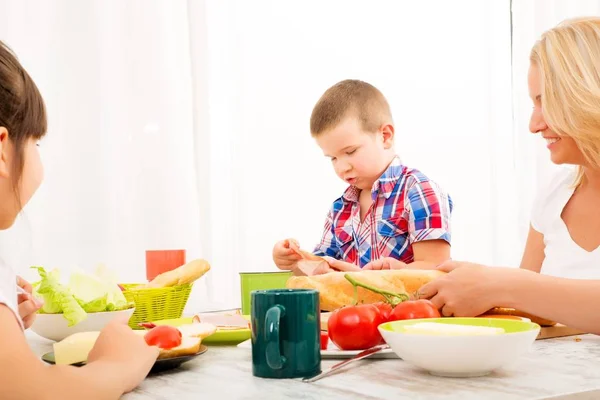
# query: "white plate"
{"points": [[333, 352]]}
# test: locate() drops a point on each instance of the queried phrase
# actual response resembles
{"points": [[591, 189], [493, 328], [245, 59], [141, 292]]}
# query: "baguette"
{"points": [[187, 273], [189, 346], [335, 291]]}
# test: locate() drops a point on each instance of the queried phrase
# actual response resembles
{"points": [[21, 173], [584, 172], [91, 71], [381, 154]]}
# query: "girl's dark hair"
{"points": [[22, 109]]}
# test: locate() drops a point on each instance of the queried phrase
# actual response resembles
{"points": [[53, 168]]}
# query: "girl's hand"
{"points": [[28, 305], [125, 350]]}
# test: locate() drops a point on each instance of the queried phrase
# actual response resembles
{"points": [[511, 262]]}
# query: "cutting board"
{"points": [[548, 332], [558, 331]]}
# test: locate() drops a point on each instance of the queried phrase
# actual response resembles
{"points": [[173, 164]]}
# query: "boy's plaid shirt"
{"points": [[408, 208]]}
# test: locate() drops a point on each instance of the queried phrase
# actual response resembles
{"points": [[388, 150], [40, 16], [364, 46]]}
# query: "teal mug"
{"points": [[286, 333]]}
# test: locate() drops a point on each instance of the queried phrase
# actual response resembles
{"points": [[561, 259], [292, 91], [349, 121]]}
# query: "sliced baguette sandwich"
{"points": [[336, 291]]}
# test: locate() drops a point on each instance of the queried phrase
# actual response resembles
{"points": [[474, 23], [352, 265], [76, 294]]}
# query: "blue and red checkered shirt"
{"points": [[408, 208]]}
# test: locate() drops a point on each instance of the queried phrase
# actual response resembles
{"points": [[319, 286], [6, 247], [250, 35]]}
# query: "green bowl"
{"points": [[260, 281]]}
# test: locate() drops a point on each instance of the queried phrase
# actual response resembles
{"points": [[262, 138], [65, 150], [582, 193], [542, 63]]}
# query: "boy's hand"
{"points": [[335, 265], [284, 257], [385, 263]]}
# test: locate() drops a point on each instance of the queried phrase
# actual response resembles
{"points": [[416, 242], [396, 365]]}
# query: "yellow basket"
{"points": [[156, 304]]}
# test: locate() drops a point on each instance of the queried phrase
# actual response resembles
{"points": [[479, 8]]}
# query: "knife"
{"points": [[359, 356]]}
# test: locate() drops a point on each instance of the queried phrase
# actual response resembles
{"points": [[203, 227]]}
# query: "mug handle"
{"points": [[274, 358]]}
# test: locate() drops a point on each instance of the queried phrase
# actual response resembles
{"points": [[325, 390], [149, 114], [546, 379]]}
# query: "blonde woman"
{"points": [[564, 237]]}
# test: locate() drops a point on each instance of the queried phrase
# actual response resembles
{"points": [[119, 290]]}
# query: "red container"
{"points": [[159, 261]]}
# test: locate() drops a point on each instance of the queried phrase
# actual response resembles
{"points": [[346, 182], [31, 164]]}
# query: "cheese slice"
{"points": [[439, 329], [75, 348], [197, 330]]}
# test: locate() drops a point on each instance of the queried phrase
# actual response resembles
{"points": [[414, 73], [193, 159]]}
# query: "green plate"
{"points": [[228, 337]]}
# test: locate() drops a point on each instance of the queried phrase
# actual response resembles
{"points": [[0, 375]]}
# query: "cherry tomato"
{"points": [[355, 327], [414, 309], [163, 336], [324, 340]]}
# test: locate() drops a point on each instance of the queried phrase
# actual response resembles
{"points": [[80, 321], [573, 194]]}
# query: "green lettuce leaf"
{"points": [[58, 298], [94, 292]]}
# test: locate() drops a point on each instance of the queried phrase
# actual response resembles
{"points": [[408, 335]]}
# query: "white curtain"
{"points": [[185, 125], [121, 151]]}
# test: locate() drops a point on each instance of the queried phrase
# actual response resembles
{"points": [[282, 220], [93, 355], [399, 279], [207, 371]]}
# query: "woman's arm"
{"points": [[572, 302], [470, 289], [533, 256], [24, 376]]}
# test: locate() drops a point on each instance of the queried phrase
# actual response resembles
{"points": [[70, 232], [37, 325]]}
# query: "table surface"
{"points": [[561, 368]]}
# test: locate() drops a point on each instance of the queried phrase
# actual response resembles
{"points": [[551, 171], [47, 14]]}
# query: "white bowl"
{"points": [[54, 326], [462, 355]]}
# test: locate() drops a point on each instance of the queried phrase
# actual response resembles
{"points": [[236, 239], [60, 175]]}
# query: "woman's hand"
{"points": [[469, 290], [28, 305]]}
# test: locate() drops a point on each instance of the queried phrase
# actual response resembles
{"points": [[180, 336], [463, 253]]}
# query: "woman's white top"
{"points": [[564, 258], [8, 289]]}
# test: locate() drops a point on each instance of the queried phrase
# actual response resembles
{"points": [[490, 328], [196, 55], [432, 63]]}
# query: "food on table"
{"points": [[225, 321], [302, 253], [85, 293], [309, 262], [443, 329], [187, 273], [336, 291], [385, 309], [355, 327], [414, 309], [164, 337], [75, 348], [511, 311], [324, 340]]}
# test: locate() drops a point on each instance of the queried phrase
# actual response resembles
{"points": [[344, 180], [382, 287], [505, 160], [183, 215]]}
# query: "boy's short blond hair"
{"points": [[350, 98]]}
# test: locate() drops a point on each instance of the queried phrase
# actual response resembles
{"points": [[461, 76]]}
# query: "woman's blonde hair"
{"points": [[568, 57]]}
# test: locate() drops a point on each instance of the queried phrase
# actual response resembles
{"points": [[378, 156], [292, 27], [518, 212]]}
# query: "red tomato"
{"points": [[355, 327], [385, 309], [324, 340], [414, 309], [163, 336]]}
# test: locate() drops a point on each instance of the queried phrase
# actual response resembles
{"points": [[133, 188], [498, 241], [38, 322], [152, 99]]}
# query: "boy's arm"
{"points": [[429, 209], [328, 246]]}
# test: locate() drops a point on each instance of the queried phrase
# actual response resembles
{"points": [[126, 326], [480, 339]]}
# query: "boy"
{"points": [[390, 215]]}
